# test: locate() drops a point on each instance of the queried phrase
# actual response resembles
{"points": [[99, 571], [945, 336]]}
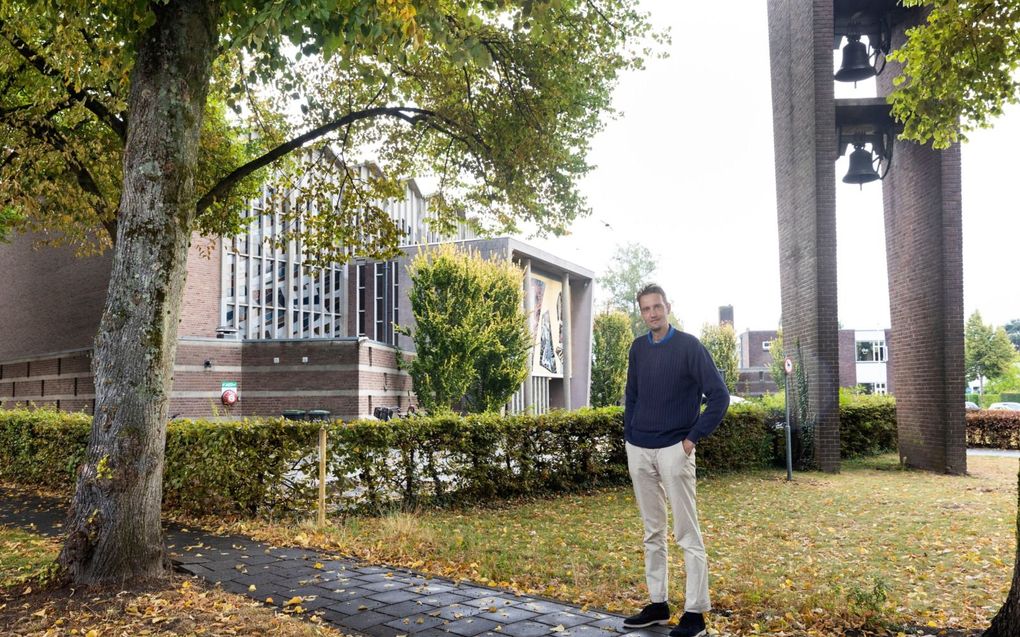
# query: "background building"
{"points": [[864, 361], [259, 321]]}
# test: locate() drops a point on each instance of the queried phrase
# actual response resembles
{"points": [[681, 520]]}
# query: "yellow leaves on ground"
{"points": [[24, 555], [182, 608]]}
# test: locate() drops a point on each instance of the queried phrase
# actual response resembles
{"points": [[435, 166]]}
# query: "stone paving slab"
{"points": [[352, 596]]}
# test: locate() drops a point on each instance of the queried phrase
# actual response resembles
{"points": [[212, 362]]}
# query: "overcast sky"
{"points": [[688, 171]]}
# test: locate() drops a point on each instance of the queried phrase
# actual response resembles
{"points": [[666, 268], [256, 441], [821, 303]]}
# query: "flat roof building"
{"points": [[257, 320]]}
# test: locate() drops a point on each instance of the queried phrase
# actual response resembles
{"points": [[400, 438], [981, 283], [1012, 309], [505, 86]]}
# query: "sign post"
{"points": [[788, 367]]}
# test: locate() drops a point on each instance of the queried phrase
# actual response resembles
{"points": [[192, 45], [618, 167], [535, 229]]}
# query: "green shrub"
{"points": [[867, 425], [611, 339], [269, 466], [742, 441], [994, 429], [477, 457], [42, 447], [239, 467]]}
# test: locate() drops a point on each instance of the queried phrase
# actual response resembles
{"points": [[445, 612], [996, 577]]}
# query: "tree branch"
{"points": [[50, 135], [408, 114], [8, 159], [96, 107]]}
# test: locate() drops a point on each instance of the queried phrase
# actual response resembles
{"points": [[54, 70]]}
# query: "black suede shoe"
{"points": [[651, 614], [691, 625]]}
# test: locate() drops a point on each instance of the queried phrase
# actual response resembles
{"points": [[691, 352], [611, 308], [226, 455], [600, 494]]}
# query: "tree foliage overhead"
{"points": [[958, 69], [495, 99], [611, 342], [470, 332]]}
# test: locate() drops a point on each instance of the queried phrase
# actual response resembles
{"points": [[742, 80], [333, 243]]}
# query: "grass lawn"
{"points": [[181, 606], [872, 546]]}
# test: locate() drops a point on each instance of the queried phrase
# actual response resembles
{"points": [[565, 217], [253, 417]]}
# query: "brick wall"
{"points": [[800, 45], [349, 378], [889, 384], [61, 381], [922, 198], [50, 300], [847, 359], [200, 311], [756, 382], [752, 353]]}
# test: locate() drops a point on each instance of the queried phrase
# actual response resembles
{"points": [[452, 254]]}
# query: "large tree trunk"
{"points": [[114, 531], [1006, 622]]}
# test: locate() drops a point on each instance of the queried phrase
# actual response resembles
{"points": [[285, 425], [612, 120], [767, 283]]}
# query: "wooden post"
{"points": [[322, 476]]}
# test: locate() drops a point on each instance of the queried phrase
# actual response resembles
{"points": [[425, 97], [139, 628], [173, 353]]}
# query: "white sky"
{"points": [[688, 171]]}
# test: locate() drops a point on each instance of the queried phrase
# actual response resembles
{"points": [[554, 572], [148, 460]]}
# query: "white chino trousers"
{"points": [[658, 474]]}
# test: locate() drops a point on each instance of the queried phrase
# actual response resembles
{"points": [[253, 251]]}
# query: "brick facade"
{"points": [[800, 46], [923, 212], [50, 300], [63, 381], [847, 358], [200, 311], [52, 307], [348, 377]]}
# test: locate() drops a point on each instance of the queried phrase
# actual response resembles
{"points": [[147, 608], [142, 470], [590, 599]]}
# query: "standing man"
{"points": [[667, 374]]}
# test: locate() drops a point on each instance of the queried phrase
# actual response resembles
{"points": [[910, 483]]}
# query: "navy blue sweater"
{"points": [[665, 383]]}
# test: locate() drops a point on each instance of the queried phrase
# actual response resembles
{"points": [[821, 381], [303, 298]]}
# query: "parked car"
{"points": [[970, 406], [1007, 406]]}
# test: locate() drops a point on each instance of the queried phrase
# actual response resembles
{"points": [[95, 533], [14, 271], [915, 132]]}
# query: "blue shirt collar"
{"points": [[669, 335]]}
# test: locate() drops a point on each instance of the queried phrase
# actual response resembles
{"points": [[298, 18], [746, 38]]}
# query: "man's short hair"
{"points": [[651, 288]]}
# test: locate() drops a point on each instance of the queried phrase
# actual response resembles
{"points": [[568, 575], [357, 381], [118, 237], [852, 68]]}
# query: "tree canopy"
{"points": [[611, 339], [470, 332], [721, 343], [1013, 332], [988, 352], [958, 69], [495, 99], [631, 268]]}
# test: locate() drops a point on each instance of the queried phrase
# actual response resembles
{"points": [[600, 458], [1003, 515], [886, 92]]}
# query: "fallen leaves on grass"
{"points": [[871, 547], [24, 555]]}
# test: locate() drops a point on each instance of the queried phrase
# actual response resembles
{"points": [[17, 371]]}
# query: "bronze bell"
{"points": [[856, 64], [862, 170]]}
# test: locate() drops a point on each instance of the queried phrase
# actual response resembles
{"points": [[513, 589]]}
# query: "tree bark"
{"points": [[114, 530], [1006, 622]]}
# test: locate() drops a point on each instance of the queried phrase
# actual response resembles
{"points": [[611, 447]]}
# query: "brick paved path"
{"points": [[353, 596]]}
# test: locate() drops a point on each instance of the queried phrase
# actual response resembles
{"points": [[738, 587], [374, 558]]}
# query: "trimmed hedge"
{"points": [[209, 467], [259, 466], [265, 466], [867, 425], [994, 429], [42, 447]]}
